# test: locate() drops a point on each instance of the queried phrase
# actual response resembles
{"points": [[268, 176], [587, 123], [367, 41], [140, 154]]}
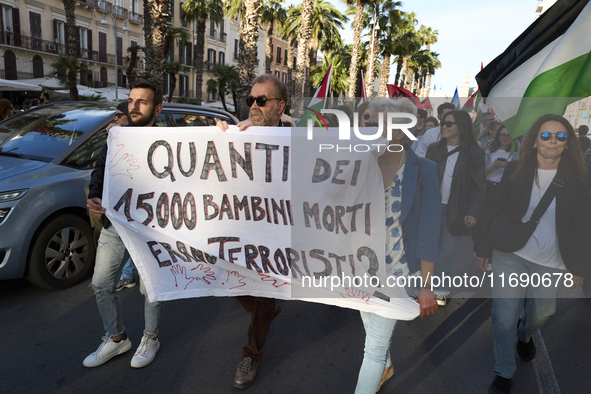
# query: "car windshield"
{"points": [[44, 133]]}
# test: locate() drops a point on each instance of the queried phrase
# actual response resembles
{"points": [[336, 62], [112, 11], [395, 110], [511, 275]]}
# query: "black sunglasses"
{"points": [[560, 136], [448, 124], [118, 115], [261, 101]]}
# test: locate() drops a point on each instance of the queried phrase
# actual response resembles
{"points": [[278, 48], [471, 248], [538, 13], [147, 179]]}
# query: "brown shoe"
{"points": [[388, 373], [245, 373]]}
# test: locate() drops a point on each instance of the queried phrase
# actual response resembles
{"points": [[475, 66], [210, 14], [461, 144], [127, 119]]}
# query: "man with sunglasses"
{"points": [[433, 135], [267, 100], [144, 105]]}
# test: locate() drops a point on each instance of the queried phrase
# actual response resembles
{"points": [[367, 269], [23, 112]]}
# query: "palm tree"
{"points": [[407, 42], [327, 21], [227, 80], [72, 44], [175, 33], [304, 35], [429, 36], [199, 11], [289, 34], [132, 60], [212, 86], [172, 69], [273, 12], [156, 15], [432, 64]]}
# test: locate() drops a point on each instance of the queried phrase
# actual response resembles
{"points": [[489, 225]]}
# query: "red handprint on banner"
{"points": [[121, 163], [275, 282], [204, 273], [234, 280], [355, 293], [180, 276]]}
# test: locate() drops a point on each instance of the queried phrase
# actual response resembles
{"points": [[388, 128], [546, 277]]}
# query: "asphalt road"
{"points": [[312, 348]]}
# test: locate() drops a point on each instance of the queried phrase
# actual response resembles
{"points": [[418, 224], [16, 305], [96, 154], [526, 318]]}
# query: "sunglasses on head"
{"points": [[261, 101], [560, 136], [448, 124]]}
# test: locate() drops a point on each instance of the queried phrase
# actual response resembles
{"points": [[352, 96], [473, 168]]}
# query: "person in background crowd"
{"points": [[583, 139], [496, 158], [559, 245], [433, 135], [485, 120], [420, 127], [144, 104], [44, 98], [267, 101], [489, 134], [460, 166], [6, 109], [412, 234], [35, 103], [430, 123]]}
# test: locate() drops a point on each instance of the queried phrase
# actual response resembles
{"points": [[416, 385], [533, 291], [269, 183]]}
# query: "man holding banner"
{"points": [[145, 103], [267, 101]]}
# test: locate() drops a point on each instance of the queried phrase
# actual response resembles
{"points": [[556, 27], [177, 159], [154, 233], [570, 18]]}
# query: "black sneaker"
{"points": [[526, 351], [500, 385]]}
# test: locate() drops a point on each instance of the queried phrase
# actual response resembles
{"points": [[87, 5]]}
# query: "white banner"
{"points": [[206, 213]]}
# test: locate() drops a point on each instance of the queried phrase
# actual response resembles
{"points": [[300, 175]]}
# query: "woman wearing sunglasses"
{"points": [[496, 158], [460, 166], [549, 160], [412, 203]]}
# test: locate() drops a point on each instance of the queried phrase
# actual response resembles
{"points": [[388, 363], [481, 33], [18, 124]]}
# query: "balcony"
{"points": [[136, 18], [183, 60], [120, 12], [223, 36]]}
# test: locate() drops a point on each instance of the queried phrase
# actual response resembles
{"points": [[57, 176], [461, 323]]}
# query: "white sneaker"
{"points": [[106, 351], [146, 352], [441, 300]]}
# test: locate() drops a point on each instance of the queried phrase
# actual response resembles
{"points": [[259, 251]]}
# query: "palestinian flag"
{"points": [[469, 105], [427, 105], [456, 99], [397, 91], [544, 70], [317, 102]]}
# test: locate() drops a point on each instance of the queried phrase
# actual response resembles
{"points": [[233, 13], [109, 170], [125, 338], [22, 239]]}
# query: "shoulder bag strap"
{"points": [[547, 199]]}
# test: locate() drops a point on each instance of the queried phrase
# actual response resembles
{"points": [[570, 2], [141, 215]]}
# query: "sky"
{"points": [[470, 32]]}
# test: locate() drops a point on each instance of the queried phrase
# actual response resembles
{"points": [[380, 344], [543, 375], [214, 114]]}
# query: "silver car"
{"points": [[46, 157]]}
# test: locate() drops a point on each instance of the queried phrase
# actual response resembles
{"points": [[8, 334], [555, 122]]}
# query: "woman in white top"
{"points": [[555, 255]]}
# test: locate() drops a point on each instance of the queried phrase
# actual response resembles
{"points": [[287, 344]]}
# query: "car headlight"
{"points": [[3, 214], [12, 195]]}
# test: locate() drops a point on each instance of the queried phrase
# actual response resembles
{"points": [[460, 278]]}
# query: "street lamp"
{"points": [[115, 19]]}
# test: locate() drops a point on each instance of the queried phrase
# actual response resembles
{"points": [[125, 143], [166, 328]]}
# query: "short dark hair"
{"points": [[583, 130], [143, 84], [280, 87], [443, 107], [488, 115], [124, 107], [432, 119], [421, 113], [34, 102]]}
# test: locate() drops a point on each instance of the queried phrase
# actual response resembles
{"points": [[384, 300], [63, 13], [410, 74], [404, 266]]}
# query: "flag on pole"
{"points": [[363, 91], [469, 105], [427, 105], [318, 101], [456, 99], [397, 91], [544, 70]]}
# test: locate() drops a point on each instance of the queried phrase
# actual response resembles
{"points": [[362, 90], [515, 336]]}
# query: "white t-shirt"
{"points": [[448, 175], [496, 174], [542, 246], [430, 136]]}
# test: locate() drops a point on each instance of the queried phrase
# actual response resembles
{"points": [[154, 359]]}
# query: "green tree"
{"points": [[172, 69], [132, 58], [227, 81], [304, 36], [199, 11], [273, 12], [339, 79], [156, 16]]}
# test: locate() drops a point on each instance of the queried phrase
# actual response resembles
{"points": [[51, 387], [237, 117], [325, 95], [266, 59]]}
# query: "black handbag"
{"points": [[509, 237]]}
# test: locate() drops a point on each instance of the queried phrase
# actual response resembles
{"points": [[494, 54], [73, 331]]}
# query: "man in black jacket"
{"points": [[144, 104]]}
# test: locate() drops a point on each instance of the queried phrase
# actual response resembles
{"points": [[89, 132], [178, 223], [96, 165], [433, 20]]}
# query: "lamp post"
{"points": [[375, 28], [115, 19]]}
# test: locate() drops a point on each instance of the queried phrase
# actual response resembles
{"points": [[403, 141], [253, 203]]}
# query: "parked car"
{"points": [[46, 157]]}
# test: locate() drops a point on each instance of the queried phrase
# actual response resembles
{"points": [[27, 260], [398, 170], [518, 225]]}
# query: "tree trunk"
{"points": [[133, 55], [405, 72], [375, 49], [199, 54], [249, 27], [383, 91], [304, 35], [398, 70], [313, 53], [428, 87], [354, 68], [156, 15], [290, 81], [410, 73], [172, 86], [72, 47], [269, 50]]}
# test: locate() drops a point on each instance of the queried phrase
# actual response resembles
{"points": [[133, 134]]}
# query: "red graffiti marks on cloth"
{"points": [[121, 163], [355, 293], [183, 279], [203, 273], [234, 280], [275, 282]]}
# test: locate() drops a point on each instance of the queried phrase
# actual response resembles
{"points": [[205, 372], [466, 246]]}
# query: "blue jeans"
{"points": [[129, 270], [378, 337], [110, 256], [448, 245], [539, 305]]}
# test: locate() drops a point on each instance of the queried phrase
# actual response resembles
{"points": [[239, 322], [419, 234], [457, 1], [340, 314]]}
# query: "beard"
{"points": [[142, 120], [264, 120]]}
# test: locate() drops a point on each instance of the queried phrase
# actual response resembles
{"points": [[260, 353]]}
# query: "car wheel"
{"points": [[62, 254]]}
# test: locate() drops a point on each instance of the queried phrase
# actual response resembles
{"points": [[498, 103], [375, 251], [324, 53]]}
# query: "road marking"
{"points": [[545, 377]]}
